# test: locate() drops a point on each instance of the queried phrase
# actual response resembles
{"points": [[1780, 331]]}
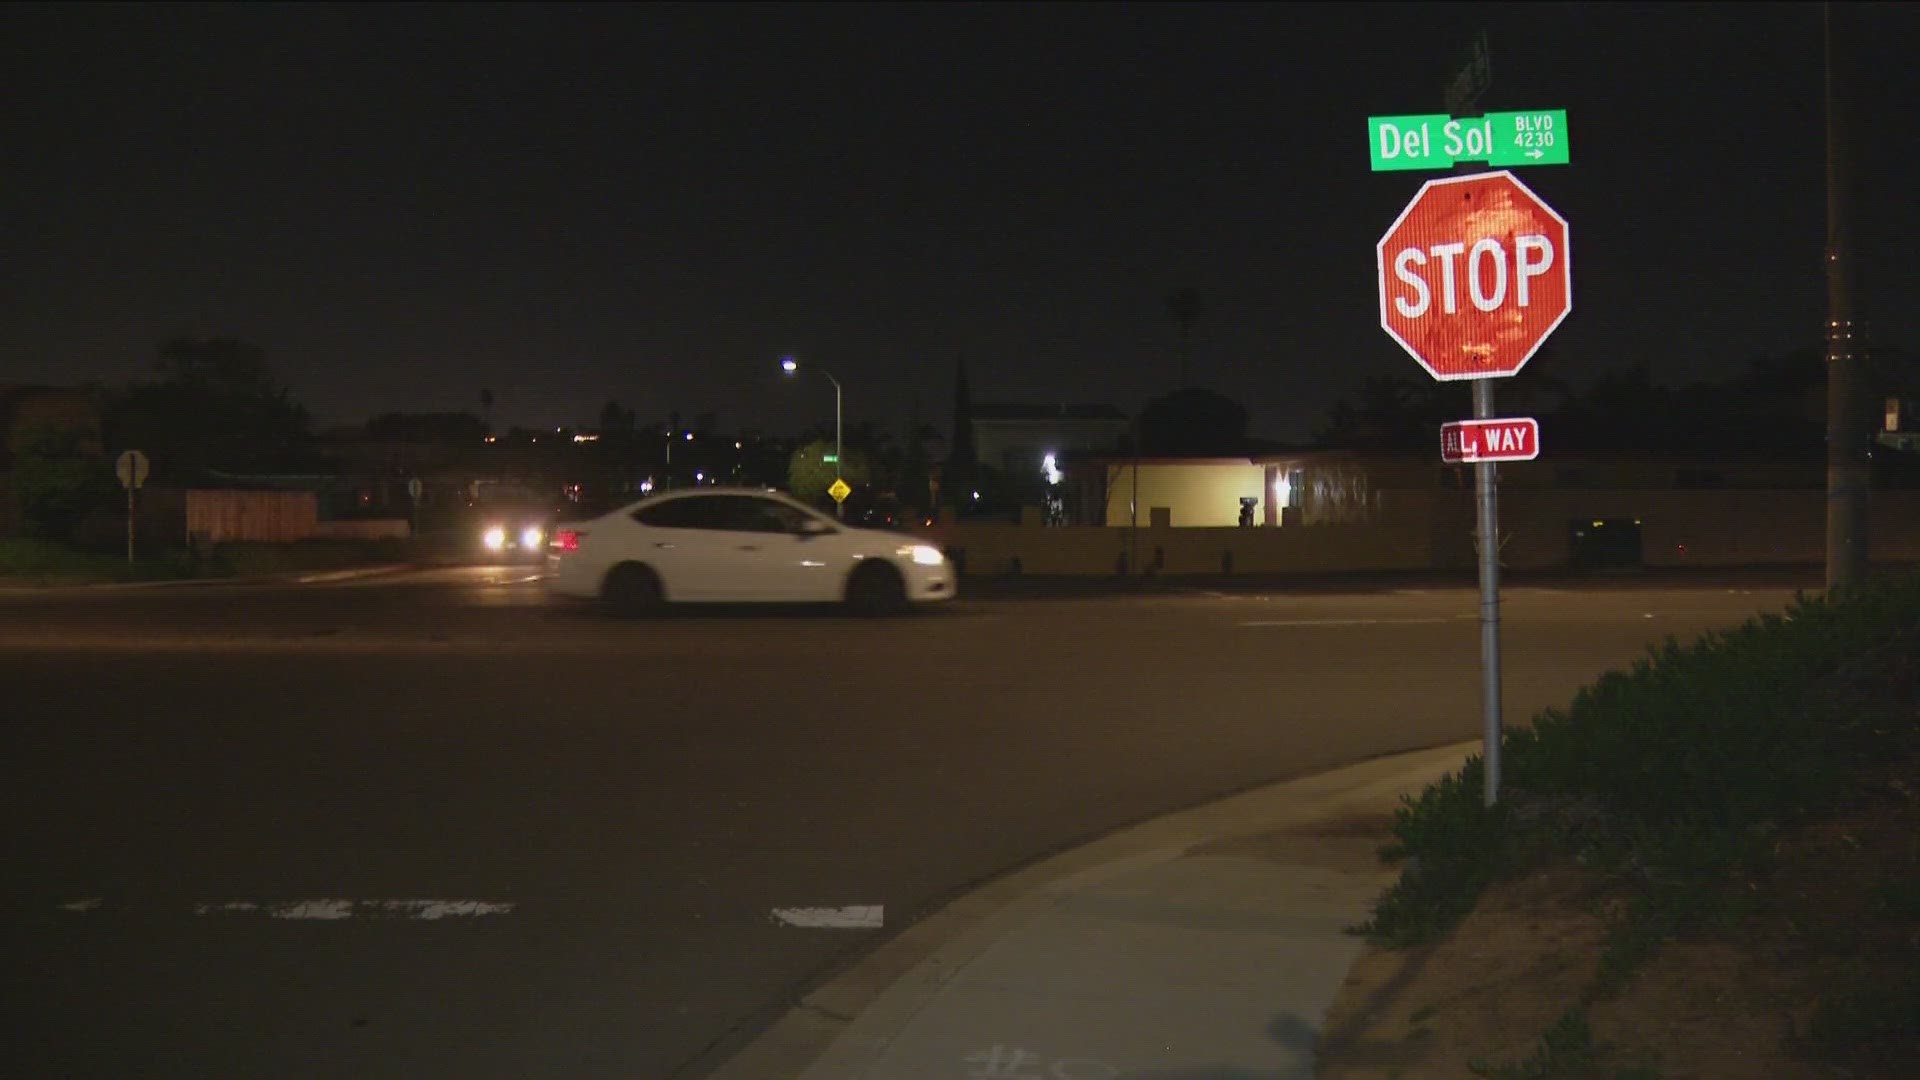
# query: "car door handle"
{"points": [[663, 544], [749, 547]]}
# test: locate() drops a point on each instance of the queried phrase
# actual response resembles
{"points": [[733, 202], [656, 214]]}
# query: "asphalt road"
{"points": [[230, 811]]}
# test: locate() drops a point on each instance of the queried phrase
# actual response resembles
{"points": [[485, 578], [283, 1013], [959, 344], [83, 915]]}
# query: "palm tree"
{"points": [[1184, 310]]}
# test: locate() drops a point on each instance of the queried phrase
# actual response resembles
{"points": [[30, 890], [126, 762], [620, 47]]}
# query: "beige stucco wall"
{"points": [[1199, 495], [1431, 529], [1091, 549]]}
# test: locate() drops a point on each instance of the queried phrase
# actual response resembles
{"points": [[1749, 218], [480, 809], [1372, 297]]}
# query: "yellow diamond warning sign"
{"points": [[839, 490]]}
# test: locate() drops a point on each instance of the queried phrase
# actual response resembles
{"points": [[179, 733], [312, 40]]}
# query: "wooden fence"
{"points": [[218, 517]]}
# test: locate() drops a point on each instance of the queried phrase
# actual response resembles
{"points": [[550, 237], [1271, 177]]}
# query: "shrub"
{"points": [[1677, 770]]}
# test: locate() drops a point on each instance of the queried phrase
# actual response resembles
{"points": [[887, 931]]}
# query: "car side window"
{"points": [[781, 518], [682, 514], [734, 514]]}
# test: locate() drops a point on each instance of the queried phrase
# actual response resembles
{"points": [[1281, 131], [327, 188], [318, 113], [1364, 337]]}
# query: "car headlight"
{"points": [[529, 538], [495, 539], [922, 554]]}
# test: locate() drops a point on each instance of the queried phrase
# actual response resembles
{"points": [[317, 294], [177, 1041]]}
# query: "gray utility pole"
{"points": [[1848, 471], [1463, 94]]}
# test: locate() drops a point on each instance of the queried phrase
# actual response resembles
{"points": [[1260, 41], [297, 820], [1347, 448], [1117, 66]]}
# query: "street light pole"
{"points": [[789, 365], [839, 505]]}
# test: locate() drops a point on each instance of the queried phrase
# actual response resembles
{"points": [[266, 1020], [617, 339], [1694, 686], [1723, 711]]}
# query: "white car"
{"points": [[729, 545]]}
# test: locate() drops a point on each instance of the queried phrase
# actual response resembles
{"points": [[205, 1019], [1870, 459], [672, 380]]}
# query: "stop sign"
{"points": [[1474, 274]]}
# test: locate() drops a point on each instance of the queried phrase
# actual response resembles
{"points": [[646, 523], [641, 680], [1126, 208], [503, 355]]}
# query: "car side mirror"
{"points": [[809, 529]]}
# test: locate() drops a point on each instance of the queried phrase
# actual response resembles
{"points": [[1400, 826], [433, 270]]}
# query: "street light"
{"points": [[789, 365]]}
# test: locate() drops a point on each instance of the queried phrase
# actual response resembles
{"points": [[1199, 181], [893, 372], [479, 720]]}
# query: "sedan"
{"points": [[719, 545]]}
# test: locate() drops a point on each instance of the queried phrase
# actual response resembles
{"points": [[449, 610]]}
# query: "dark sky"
{"points": [[567, 204]]}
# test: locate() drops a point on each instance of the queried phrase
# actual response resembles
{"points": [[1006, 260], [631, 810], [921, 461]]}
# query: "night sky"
{"points": [[567, 205]]}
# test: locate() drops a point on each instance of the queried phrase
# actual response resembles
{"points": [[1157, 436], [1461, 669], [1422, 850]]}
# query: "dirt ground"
{"points": [[1834, 921]]}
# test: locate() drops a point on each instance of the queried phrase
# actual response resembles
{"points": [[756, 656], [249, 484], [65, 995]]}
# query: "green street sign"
{"points": [[1439, 141], [831, 459]]}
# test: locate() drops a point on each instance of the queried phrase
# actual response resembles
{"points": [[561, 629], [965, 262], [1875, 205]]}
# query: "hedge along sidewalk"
{"points": [[1672, 778]]}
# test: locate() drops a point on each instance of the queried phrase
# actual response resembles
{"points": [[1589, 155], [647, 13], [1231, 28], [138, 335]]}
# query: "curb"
{"points": [[329, 576], [839, 1027], [983, 586], [296, 577]]}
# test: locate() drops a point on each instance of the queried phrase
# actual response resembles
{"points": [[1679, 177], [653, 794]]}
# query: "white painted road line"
{"points": [[330, 910], [854, 917], [1354, 622]]}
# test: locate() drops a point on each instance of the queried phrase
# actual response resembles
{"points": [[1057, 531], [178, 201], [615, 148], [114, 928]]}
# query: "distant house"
{"points": [[1018, 438]]}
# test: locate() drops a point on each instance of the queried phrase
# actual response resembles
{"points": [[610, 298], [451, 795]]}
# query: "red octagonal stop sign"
{"points": [[1474, 275]]}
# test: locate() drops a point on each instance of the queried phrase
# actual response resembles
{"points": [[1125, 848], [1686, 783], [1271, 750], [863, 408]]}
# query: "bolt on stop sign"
{"points": [[1474, 274]]}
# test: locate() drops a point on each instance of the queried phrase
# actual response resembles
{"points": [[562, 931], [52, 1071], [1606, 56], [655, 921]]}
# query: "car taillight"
{"points": [[567, 539]]}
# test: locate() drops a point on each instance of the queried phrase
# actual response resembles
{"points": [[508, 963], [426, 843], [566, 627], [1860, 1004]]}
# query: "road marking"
{"points": [[852, 917], [330, 910], [1013, 1061], [1353, 622]]}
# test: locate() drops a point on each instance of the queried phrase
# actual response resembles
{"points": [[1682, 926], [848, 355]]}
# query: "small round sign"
{"points": [[132, 468]]}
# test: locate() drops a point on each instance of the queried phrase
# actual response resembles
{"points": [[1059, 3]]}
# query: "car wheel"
{"points": [[633, 589], [876, 589]]}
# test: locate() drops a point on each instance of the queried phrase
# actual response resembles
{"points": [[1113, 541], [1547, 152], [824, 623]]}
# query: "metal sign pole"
{"points": [[1487, 522], [129, 524], [1468, 87]]}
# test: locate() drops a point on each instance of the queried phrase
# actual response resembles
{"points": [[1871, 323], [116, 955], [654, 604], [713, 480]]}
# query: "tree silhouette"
{"points": [[1192, 420], [1777, 403], [616, 424], [215, 404], [809, 473], [962, 463]]}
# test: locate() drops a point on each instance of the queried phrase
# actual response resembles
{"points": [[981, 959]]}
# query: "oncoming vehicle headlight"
{"points": [[923, 554], [495, 539], [529, 538]]}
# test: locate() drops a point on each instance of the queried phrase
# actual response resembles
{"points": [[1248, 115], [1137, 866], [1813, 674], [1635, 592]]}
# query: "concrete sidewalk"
{"points": [[1205, 945]]}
